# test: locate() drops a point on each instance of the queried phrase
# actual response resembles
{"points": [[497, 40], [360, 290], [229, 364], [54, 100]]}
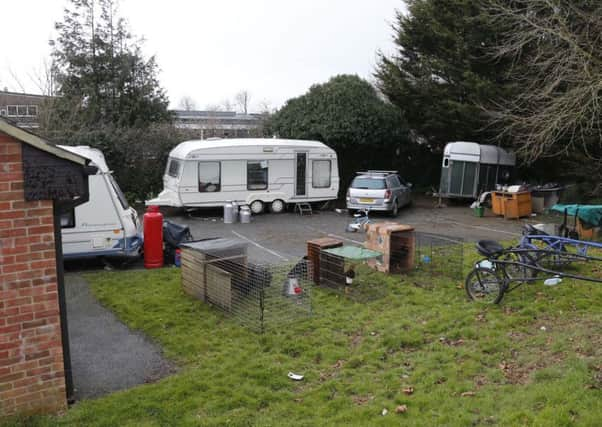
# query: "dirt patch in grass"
{"points": [[537, 354], [362, 400]]}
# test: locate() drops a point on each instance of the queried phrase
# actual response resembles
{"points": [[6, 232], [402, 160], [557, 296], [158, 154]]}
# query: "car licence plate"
{"points": [[366, 200]]}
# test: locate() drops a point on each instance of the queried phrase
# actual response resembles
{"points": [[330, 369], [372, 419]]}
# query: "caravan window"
{"points": [[320, 175], [173, 168], [120, 196], [209, 177], [257, 175]]}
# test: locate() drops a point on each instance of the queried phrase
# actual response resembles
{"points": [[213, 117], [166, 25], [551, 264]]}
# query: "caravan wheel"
{"points": [[277, 206], [256, 207]]}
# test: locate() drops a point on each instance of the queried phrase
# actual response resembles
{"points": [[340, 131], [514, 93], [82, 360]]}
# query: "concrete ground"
{"points": [[279, 237], [106, 356]]}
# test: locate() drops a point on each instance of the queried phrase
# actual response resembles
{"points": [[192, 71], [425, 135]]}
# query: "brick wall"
{"points": [[31, 358]]}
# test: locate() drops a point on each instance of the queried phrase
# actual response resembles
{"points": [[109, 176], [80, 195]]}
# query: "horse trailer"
{"points": [[468, 169]]}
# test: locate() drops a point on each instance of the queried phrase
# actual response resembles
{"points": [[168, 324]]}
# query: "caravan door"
{"points": [[301, 174]]}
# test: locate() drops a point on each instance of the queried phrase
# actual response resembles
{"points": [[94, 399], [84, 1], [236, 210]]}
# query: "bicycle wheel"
{"points": [[485, 285], [519, 273]]}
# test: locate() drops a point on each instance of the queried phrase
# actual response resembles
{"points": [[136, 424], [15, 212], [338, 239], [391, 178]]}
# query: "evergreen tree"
{"points": [[102, 76], [443, 71], [347, 114]]}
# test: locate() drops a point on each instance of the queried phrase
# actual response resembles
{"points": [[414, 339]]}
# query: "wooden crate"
{"points": [[314, 247], [210, 278], [397, 244], [193, 273], [511, 205]]}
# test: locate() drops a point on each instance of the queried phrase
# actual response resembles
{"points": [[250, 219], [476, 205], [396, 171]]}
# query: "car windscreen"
{"points": [[369, 183]]}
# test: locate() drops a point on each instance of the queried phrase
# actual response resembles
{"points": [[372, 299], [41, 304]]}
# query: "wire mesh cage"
{"points": [[439, 255], [345, 271], [258, 296]]}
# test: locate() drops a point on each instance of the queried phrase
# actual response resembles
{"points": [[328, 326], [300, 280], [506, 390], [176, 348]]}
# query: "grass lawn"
{"points": [[534, 360]]}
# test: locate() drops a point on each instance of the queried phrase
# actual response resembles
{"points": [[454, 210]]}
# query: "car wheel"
{"points": [[277, 206], [395, 210], [256, 207]]}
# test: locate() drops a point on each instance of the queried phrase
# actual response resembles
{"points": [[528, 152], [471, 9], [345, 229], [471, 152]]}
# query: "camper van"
{"points": [[105, 225], [262, 173], [468, 169]]}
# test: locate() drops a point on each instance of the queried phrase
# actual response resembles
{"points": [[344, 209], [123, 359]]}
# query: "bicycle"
{"points": [[360, 220]]}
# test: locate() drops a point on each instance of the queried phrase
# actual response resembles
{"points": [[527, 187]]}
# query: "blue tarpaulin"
{"points": [[589, 214]]}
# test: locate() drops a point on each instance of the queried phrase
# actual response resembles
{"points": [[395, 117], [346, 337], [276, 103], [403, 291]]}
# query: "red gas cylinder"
{"points": [[153, 238]]}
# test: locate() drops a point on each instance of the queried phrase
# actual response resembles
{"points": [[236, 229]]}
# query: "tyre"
{"points": [[395, 210], [256, 207], [519, 273], [485, 285], [277, 206]]}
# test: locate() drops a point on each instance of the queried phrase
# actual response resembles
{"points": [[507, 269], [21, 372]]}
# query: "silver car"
{"points": [[378, 191]]}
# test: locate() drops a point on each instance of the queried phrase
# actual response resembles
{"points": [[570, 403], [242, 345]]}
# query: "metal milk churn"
{"points": [[228, 213], [245, 215], [234, 211]]}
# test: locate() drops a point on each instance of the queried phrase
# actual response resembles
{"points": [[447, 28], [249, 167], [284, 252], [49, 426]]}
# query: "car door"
{"points": [[395, 187], [405, 192]]}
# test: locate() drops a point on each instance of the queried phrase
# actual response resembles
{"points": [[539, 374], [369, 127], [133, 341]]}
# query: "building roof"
{"points": [[185, 148], [214, 115], [23, 94], [38, 142]]}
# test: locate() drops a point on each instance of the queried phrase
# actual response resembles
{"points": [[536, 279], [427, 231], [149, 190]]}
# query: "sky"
{"points": [[209, 50]]}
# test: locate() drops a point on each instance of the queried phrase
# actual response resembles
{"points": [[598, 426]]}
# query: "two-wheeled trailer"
{"points": [[505, 269]]}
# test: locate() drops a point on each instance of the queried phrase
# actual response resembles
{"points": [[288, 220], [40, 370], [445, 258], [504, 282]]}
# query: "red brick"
{"points": [[12, 214], [13, 158], [42, 246], [50, 263], [15, 268], [20, 318], [41, 229], [36, 323], [37, 212], [37, 355], [18, 301], [29, 257], [16, 185], [12, 377], [10, 195]]}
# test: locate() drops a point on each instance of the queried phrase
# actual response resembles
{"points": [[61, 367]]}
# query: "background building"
{"points": [[23, 109], [223, 124]]}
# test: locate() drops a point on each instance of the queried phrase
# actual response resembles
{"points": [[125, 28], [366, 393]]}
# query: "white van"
{"points": [[105, 225], [257, 172]]}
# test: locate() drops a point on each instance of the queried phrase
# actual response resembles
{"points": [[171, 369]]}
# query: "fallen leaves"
{"points": [[468, 394], [362, 400], [452, 343], [401, 409]]}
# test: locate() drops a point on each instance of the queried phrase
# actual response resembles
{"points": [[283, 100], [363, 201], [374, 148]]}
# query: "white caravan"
{"points": [[105, 225], [257, 172]]}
